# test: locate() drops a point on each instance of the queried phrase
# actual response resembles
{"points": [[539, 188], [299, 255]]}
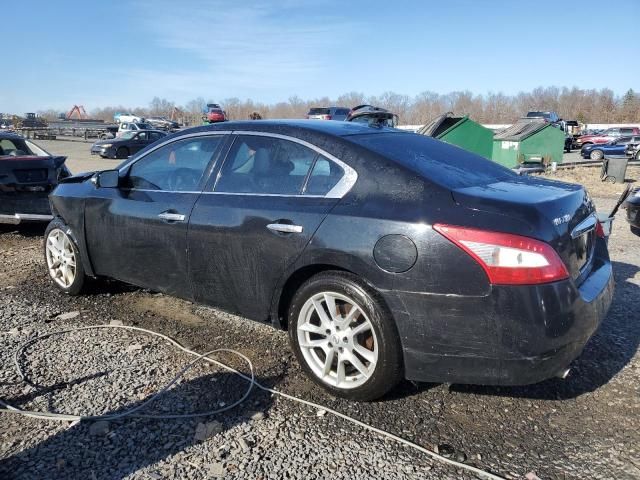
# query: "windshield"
{"points": [[437, 161]]}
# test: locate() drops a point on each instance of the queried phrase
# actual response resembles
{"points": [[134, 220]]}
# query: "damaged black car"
{"points": [[28, 174], [385, 254]]}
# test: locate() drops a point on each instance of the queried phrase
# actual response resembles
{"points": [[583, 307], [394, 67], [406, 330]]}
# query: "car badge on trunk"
{"points": [[560, 220]]}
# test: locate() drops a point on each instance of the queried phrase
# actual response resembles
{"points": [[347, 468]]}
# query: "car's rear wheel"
{"points": [[63, 258], [122, 152], [596, 155], [344, 337], [637, 155]]}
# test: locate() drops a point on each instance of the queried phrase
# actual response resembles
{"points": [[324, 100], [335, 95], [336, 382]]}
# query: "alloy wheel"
{"points": [[337, 340], [61, 258]]}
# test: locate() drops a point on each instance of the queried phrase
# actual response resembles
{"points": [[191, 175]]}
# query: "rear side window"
{"points": [[264, 165], [324, 176], [437, 161], [626, 131]]}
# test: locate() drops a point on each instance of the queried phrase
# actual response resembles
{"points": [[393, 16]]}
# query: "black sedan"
{"points": [[28, 174], [129, 143], [385, 254]]}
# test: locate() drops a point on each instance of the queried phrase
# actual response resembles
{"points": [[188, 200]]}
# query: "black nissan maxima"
{"points": [[385, 254]]}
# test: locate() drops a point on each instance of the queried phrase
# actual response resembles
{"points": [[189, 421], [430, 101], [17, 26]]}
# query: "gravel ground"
{"points": [[582, 427]]}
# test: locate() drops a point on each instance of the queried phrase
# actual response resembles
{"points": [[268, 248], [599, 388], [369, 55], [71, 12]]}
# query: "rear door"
{"points": [[137, 233], [254, 221]]}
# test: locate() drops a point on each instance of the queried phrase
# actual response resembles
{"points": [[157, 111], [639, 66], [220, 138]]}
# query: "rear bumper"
{"points": [[25, 207], [516, 335]]}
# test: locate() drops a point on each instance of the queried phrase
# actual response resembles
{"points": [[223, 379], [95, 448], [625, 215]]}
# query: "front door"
{"points": [[137, 233], [270, 197]]}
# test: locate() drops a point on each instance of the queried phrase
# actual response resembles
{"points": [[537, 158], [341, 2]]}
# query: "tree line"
{"points": [[586, 106]]}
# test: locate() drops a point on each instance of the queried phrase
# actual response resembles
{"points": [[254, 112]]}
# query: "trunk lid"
{"points": [[558, 213], [29, 173]]}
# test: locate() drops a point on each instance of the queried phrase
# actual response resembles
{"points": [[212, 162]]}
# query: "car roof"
{"points": [[335, 128], [11, 136]]}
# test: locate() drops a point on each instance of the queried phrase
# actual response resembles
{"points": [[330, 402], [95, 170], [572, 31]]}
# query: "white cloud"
{"points": [[239, 49]]}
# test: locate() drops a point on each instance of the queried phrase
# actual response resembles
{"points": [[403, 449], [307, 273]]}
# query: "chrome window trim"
{"points": [[176, 139], [340, 189]]}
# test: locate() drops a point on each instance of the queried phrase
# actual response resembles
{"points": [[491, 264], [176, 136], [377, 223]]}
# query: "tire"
{"points": [[70, 277], [122, 152], [363, 349], [635, 230], [637, 155], [596, 155]]}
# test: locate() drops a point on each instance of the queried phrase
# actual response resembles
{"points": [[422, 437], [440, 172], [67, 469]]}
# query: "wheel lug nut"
{"points": [[327, 331], [340, 349]]}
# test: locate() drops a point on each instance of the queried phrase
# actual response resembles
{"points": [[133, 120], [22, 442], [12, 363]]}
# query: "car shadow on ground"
{"points": [[27, 230], [611, 348], [118, 448]]}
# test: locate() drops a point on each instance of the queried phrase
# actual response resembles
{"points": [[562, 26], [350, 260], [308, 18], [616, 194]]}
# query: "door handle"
{"points": [[171, 217], [285, 228]]}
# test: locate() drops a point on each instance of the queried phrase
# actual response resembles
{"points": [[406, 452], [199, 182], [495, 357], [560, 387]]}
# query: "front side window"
{"points": [[265, 165], [177, 167]]}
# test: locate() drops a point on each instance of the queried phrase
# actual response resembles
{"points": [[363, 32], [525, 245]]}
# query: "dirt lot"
{"points": [[586, 426]]}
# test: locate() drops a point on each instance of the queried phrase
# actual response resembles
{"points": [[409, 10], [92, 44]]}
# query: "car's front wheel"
{"points": [[596, 155], [63, 258], [122, 152], [344, 337]]}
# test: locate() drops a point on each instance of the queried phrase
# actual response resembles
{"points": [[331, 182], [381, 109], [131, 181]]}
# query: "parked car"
{"points": [[384, 253], [162, 123], [127, 144], [606, 136], [550, 117], [132, 127], [328, 113], [632, 205], [633, 151], [214, 114], [372, 116], [617, 147], [127, 118], [27, 175]]}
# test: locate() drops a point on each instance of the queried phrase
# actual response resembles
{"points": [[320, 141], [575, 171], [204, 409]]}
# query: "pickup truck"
{"points": [[607, 136]]}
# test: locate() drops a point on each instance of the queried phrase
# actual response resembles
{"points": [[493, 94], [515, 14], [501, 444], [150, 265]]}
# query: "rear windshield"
{"points": [[437, 161], [319, 111]]}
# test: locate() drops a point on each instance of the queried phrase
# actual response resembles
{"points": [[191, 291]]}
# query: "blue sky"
{"points": [[118, 52]]}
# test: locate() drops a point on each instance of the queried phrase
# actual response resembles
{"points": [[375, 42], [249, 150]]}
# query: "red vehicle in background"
{"points": [[607, 136], [214, 114]]}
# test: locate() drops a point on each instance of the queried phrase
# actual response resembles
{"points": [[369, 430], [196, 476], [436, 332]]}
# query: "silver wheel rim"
{"points": [[61, 260], [337, 340]]}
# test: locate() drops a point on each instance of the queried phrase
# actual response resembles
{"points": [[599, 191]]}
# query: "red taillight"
{"points": [[508, 259], [599, 230]]}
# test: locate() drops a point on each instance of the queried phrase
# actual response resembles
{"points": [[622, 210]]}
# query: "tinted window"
{"points": [[13, 147], [441, 163], [623, 140], [177, 167], [319, 111], [265, 165], [626, 131], [324, 176], [153, 136], [142, 136]]}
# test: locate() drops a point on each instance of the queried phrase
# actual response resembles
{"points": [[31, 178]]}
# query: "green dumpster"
{"points": [[528, 141], [462, 132]]}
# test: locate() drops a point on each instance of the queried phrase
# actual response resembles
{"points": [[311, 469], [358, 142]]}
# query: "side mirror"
{"points": [[106, 179]]}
